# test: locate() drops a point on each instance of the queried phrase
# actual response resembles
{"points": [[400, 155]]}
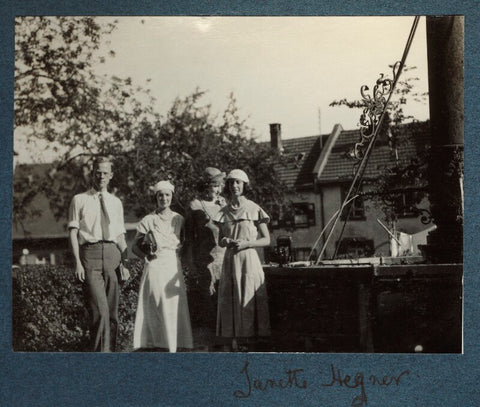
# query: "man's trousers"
{"points": [[100, 260]]}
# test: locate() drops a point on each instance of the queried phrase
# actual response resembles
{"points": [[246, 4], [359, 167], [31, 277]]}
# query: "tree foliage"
{"points": [[190, 139], [401, 185], [62, 101], [405, 175], [59, 97]]}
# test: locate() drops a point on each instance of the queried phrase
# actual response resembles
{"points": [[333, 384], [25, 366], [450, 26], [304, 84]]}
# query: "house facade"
{"points": [[319, 172]]}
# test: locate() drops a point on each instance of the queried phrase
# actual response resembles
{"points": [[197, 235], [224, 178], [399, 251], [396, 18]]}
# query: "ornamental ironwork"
{"points": [[425, 215], [375, 105]]}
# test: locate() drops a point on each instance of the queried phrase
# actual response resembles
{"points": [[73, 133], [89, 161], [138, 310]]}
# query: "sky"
{"points": [[283, 70]]}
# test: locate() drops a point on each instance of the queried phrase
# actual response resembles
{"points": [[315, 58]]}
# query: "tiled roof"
{"points": [[411, 138], [301, 155]]}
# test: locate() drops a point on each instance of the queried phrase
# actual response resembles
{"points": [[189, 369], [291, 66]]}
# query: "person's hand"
{"points": [[212, 288], [80, 272], [229, 243], [124, 273], [241, 244]]}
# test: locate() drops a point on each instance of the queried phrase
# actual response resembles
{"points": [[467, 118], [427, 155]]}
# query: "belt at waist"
{"points": [[99, 242]]}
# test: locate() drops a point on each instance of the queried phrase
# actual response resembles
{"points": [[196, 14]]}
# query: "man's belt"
{"points": [[98, 242]]}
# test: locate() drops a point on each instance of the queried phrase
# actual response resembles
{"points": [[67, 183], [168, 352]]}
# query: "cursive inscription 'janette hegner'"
{"points": [[291, 380]]}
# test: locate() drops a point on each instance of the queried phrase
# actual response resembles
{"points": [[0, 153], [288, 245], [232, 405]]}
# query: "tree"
{"points": [[60, 100], [62, 105], [190, 139], [179, 149], [402, 176]]}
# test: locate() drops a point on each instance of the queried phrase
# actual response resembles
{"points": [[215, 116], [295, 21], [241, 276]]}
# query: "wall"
{"points": [[368, 228], [382, 309]]}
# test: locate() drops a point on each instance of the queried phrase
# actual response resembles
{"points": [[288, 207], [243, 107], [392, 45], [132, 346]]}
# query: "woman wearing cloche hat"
{"points": [[203, 255], [162, 320], [242, 296]]}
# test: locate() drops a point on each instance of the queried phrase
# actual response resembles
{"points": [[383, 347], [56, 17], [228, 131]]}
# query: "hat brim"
{"points": [[217, 178]]}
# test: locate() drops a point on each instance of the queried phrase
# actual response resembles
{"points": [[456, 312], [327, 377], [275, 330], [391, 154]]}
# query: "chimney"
{"points": [[276, 136]]}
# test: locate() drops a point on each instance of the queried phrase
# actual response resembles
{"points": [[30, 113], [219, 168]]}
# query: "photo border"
{"points": [[195, 379]]}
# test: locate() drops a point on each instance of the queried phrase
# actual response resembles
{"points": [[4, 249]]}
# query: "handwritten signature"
{"points": [[294, 379], [290, 381], [358, 381]]}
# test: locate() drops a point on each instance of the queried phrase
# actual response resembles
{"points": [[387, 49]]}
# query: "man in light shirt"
{"points": [[97, 237]]}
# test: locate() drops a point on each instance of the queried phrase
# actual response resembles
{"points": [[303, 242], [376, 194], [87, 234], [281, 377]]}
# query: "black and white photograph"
{"points": [[216, 184]]}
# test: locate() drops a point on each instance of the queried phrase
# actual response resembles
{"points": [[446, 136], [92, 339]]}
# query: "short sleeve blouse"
{"points": [[166, 229], [242, 222]]}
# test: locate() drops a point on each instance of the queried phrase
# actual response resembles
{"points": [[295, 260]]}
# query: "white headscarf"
{"points": [[162, 186]]}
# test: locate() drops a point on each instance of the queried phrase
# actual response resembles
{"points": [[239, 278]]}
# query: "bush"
{"points": [[49, 312]]}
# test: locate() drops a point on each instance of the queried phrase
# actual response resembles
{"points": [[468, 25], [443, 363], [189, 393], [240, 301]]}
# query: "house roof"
{"points": [[328, 154], [411, 139], [301, 155]]}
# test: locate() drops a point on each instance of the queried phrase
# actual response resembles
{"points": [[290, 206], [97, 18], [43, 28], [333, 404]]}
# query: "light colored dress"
{"points": [[163, 319], [242, 294]]}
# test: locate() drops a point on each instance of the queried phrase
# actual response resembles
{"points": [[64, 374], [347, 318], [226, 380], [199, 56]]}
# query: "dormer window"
{"points": [[298, 159]]}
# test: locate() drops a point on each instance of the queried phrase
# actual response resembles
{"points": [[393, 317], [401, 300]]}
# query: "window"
{"points": [[301, 215], [358, 208], [303, 253], [406, 204], [355, 247], [304, 215]]}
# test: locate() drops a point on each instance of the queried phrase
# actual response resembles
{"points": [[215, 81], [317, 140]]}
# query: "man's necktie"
{"points": [[105, 219]]}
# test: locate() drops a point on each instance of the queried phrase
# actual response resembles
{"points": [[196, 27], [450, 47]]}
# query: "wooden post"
{"points": [[445, 42]]}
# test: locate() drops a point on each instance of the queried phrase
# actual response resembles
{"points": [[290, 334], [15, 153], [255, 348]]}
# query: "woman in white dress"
{"points": [[162, 320]]}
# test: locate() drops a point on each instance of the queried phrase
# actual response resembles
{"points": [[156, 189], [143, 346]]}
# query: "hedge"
{"points": [[49, 312]]}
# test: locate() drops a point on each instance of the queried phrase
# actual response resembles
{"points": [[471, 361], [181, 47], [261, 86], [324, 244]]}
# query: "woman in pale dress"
{"points": [[243, 312], [162, 320], [203, 255]]}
